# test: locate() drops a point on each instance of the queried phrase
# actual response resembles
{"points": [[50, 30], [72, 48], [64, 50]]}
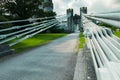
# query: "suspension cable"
{"points": [[15, 21]]}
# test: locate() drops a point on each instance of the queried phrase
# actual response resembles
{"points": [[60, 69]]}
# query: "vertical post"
{"points": [[70, 20]]}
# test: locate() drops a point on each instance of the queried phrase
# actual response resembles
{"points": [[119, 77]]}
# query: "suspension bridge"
{"points": [[57, 60]]}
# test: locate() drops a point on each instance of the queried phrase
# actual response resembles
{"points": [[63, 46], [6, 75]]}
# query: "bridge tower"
{"points": [[70, 20], [83, 10]]}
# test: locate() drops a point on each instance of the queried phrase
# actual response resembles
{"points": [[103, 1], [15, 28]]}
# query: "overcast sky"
{"points": [[94, 6]]}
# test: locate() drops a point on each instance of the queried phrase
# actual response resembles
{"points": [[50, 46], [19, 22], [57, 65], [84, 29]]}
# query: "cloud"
{"points": [[99, 5], [94, 6], [60, 6], [117, 1]]}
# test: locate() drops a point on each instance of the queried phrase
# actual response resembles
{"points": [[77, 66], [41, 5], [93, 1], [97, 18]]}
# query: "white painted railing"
{"points": [[26, 31], [105, 51], [112, 16], [114, 23]]}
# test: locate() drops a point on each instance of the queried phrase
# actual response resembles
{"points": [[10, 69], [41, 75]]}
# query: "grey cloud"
{"points": [[95, 6], [101, 6], [67, 1], [98, 6], [117, 1]]}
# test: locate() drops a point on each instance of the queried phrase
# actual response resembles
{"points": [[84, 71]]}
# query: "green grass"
{"points": [[117, 34], [82, 41], [37, 40]]}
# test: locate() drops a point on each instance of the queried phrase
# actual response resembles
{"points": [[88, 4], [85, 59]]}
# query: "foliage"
{"points": [[24, 9], [82, 40], [48, 14], [117, 34], [3, 18], [56, 29], [48, 4], [1, 10]]}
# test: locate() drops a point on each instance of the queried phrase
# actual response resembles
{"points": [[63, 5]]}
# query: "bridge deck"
{"points": [[55, 61]]}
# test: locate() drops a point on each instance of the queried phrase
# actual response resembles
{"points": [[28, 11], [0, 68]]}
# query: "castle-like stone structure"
{"points": [[75, 20], [47, 5]]}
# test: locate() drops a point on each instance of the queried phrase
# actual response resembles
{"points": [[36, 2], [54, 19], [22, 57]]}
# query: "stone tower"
{"points": [[48, 6], [70, 20], [83, 10]]}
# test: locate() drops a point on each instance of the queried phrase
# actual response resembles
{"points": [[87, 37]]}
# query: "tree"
{"points": [[24, 9], [48, 14]]}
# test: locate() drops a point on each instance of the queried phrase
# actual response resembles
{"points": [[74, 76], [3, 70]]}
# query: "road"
{"points": [[54, 61]]}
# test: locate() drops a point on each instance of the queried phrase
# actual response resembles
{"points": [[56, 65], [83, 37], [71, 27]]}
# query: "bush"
{"points": [[82, 40], [2, 19], [57, 30]]}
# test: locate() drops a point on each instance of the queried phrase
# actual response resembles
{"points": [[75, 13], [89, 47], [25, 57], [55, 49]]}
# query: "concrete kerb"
{"points": [[79, 73], [84, 66]]}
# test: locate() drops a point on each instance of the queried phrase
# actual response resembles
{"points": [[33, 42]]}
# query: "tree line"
{"points": [[22, 9]]}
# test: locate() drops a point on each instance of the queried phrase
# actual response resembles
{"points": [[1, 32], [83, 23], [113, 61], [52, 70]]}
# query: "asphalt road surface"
{"points": [[54, 61]]}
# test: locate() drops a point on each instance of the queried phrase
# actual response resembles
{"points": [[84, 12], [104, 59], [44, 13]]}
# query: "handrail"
{"points": [[107, 21], [30, 19], [105, 54]]}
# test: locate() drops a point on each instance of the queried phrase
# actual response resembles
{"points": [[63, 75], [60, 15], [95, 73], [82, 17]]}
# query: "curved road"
{"points": [[55, 61]]}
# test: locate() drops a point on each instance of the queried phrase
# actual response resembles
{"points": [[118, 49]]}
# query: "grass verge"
{"points": [[37, 40], [82, 40], [117, 34]]}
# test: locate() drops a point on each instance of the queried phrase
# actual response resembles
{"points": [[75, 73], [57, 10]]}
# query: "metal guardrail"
{"points": [[26, 31], [105, 51], [107, 21], [24, 26], [111, 16], [31, 19], [31, 35]]}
